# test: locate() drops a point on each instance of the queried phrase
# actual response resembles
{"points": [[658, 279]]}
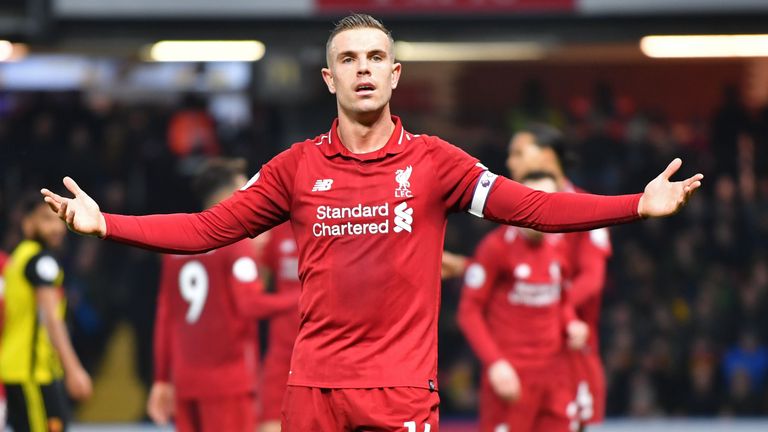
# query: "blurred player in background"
{"points": [[514, 314], [37, 353], [542, 147], [3, 406], [206, 339], [281, 258], [368, 203]]}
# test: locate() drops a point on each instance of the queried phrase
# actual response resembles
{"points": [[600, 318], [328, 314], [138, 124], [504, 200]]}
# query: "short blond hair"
{"points": [[357, 21]]}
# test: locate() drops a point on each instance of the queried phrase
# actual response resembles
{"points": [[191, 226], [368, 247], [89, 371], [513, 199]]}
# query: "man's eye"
{"points": [[346, 60], [377, 58]]}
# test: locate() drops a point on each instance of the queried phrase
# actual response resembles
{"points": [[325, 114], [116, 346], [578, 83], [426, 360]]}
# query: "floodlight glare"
{"points": [[705, 46], [469, 51], [206, 51]]}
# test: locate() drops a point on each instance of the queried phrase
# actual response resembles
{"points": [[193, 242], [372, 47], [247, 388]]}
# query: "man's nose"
{"points": [[362, 67]]}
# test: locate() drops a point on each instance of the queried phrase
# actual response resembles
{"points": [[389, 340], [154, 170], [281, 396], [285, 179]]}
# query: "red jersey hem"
{"points": [[337, 385]]}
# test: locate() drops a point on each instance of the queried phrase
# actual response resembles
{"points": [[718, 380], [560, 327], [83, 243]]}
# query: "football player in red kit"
{"points": [[541, 147], [206, 339], [517, 319], [368, 203], [281, 258]]}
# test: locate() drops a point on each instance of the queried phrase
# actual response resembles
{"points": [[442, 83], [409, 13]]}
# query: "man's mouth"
{"points": [[363, 89]]}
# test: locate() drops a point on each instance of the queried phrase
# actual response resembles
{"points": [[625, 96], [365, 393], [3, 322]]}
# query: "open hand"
{"points": [[663, 197], [81, 213]]}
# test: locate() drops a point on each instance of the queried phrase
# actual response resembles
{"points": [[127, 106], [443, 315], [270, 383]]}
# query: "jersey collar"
{"points": [[332, 146]]}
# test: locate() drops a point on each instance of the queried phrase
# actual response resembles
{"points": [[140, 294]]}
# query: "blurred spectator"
{"points": [[730, 121], [747, 360]]}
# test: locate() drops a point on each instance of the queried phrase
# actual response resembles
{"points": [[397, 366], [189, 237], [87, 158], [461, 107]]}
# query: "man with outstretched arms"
{"points": [[516, 317], [281, 258], [206, 338], [541, 147], [368, 202]]}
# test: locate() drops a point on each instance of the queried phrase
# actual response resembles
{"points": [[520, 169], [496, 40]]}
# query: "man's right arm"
{"points": [[262, 204]]}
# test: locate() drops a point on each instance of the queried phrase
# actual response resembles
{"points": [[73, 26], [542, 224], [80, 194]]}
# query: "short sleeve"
{"points": [[600, 240], [265, 201], [42, 270], [458, 175]]}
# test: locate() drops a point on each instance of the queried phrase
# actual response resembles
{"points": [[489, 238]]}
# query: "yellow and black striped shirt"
{"points": [[27, 355]]}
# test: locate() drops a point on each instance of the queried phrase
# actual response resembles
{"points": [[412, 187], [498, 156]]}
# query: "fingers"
{"points": [[72, 186], [693, 179], [63, 210], [672, 168], [53, 200], [69, 215], [692, 187], [52, 204]]}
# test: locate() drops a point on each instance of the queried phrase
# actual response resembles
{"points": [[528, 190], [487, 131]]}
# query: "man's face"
{"points": [[44, 225], [524, 155], [361, 70]]}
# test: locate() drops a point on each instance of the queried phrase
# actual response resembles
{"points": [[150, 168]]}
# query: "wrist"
{"points": [[641, 211], [102, 226]]}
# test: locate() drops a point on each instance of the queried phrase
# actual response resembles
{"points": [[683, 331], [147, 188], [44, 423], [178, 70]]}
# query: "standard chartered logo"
{"points": [[403, 217], [362, 220]]}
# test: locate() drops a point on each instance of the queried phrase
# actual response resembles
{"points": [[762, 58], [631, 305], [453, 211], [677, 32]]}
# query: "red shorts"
{"points": [[542, 405], [589, 388], [226, 413], [392, 409]]}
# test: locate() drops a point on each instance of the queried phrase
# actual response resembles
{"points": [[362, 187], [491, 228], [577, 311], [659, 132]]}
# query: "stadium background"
{"points": [[685, 321]]}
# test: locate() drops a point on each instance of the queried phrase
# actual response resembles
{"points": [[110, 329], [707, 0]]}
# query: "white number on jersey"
{"points": [[193, 283], [411, 425]]}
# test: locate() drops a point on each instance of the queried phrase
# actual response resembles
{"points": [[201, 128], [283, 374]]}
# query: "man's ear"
{"points": [[328, 78], [397, 69]]}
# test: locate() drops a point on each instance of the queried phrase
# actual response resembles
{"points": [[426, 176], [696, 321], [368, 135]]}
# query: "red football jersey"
{"points": [[588, 253], [281, 257], [205, 333], [370, 231], [512, 303]]}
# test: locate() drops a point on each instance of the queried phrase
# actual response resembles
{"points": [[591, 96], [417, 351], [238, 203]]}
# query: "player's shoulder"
{"points": [[43, 268], [431, 142], [295, 151]]}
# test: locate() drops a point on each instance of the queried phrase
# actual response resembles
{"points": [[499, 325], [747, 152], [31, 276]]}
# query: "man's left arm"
{"points": [[467, 184]]}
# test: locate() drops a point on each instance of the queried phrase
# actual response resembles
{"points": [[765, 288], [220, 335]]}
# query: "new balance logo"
{"points": [[403, 218], [322, 185]]}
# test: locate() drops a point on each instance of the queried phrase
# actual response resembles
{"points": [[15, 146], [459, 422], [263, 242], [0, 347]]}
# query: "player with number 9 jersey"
{"points": [[206, 338]]}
